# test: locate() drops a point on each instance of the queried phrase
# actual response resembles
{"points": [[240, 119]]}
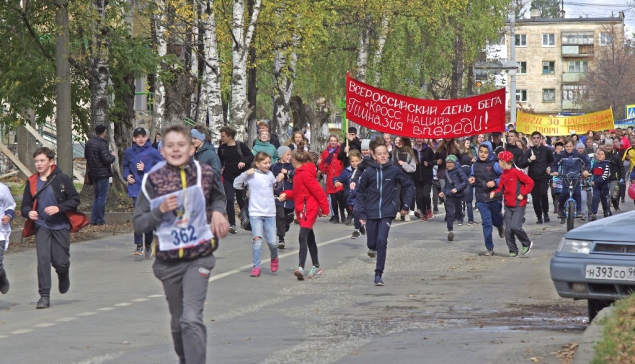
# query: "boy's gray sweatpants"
{"points": [[53, 247], [2, 245], [185, 285], [514, 228]]}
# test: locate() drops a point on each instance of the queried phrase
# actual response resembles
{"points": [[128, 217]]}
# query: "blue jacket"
{"points": [[345, 178], [484, 172], [377, 190], [570, 163], [287, 182], [455, 178], [206, 154], [601, 171], [133, 155]]}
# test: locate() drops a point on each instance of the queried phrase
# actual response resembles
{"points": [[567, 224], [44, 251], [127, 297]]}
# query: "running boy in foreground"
{"points": [[179, 199]]}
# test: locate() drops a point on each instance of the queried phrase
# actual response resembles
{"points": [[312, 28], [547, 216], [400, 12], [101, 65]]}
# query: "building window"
{"points": [[578, 66], [548, 40], [549, 95], [521, 95], [606, 39], [573, 92], [522, 68], [521, 40], [548, 67]]}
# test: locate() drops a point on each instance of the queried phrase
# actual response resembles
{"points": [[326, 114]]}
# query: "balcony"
{"points": [[570, 105], [572, 77], [577, 51]]}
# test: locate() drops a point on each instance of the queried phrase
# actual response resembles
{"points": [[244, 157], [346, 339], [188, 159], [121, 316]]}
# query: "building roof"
{"points": [[539, 21]]}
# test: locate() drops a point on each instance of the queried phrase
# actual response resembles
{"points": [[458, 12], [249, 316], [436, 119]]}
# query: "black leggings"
{"points": [[423, 200], [338, 199], [307, 239], [230, 192]]}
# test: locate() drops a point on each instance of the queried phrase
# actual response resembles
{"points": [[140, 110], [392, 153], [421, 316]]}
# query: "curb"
{"points": [[592, 335]]}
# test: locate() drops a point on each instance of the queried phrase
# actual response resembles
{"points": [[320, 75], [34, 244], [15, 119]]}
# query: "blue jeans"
{"points": [[266, 224], [138, 238], [491, 215], [100, 187]]}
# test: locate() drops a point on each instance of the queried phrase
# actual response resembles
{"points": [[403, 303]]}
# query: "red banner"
{"points": [[392, 113]]}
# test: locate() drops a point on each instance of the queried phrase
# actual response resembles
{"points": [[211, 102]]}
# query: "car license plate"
{"points": [[610, 272]]}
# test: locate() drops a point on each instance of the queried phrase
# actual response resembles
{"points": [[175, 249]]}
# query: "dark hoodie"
{"points": [[133, 155], [206, 154], [375, 197], [484, 172]]}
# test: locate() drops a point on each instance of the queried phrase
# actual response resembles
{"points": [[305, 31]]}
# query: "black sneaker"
{"points": [[281, 243], [372, 253], [232, 229], [547, 219], [343, 221], [435, 211], [333, 218], [349, 220], [363, 229], [139, 250], [539, 221], [65, 283], [501, 232], [356, 234], [44, 302], [563, 220], [148, 251], [450, 236]]}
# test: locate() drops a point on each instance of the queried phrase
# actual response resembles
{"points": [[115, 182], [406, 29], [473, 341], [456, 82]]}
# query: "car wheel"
{"points": [[595, 306]]}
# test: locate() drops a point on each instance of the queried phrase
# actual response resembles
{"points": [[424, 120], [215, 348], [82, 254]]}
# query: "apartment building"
{"points": [[554, 55]]}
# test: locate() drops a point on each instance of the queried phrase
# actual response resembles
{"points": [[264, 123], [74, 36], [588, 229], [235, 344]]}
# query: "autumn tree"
{"points": [[549, 9]]}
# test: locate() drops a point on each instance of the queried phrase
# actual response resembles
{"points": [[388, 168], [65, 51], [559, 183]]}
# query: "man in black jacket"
{"points": [[55, 196], [512, 138], [98, 161], [538, 159], [353, 143]]}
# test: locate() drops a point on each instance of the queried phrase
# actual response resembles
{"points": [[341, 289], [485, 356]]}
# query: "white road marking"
{"points": [[46, 324], [66, 319], [23, 331], [156, 296], [86, 313], [140, 300], [123, 304], [3, 336], [106, 309], [100, 359]]}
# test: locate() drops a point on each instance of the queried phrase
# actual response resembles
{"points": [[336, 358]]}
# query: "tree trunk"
{"points": [[196, 114], [362, 54], [211, 90], [284, 76], [27, 143], [63, 99], [242, 42], [381, 41], [252, 93], [158, 100]]}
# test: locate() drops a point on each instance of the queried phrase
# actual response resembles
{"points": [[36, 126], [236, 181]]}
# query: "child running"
{"points": [[310, 201], [262, 209], [484, 176], [375, 206], [514, 185], [7, 211], [455, 184], [283, 170], [347, 179], [601, 171], [180, 198]]}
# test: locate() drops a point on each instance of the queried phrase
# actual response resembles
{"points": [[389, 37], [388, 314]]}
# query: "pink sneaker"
{"points": [[255, 272], [274, 265]]}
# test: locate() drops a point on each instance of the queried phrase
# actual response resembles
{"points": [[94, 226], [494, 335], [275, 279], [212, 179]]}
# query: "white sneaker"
{"points": [[407, 218], [398, 217]]}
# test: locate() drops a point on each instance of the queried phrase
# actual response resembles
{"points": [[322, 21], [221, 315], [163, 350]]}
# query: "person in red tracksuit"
{"points": [[515, 186], [333, 167], [310, 201]]}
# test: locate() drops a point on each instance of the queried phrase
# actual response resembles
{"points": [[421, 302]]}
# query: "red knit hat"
{"points": [[505, 156]]}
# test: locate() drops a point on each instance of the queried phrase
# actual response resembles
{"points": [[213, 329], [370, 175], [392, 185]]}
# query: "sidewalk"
{"points": [[592, 335]]}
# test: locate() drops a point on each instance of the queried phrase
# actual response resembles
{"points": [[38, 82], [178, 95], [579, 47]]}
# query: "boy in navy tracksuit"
{"points": [[349, 179], [137, 161], [601, 173], [283, 170], [456, 183], [375, 206], [485, 176]]}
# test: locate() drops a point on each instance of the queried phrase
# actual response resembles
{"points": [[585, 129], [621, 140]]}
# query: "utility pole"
{"points": [[512, 72], [63, 99]]}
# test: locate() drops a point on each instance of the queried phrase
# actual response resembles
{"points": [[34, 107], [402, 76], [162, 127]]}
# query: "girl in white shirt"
{"points": [[262, 209]]}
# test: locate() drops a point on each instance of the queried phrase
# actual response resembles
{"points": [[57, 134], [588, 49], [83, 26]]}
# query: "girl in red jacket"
{"points": [[515, 186], [333, 167], [310, 201]]}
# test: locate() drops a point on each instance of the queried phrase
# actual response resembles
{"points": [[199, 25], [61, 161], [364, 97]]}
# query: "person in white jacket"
{"points": [[262, 209], [7, 211]]}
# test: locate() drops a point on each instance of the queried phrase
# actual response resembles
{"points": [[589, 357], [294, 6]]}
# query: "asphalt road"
{"points": [[442, 303]]}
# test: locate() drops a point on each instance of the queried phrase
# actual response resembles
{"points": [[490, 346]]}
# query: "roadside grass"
{"points": [[616, 346]]}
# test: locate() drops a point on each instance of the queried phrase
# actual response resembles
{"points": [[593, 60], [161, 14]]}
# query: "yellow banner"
{"points": [[564, 125]]}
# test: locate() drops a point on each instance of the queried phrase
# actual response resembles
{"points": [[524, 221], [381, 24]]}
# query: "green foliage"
{"points": [[616, 345], [549, 9]]}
